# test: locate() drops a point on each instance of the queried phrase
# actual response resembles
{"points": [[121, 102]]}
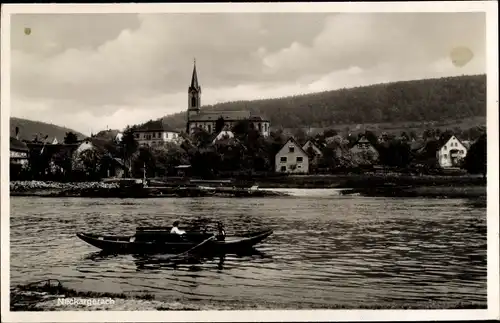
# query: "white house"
{"points": [[291, 158], [19, 152], [224, 134], [451, 153], [155, 133]]}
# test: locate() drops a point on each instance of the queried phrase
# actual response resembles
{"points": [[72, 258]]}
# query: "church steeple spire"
{"points": [[194, 98], [194, 78]]}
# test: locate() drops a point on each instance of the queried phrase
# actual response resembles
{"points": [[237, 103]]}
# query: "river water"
{"points": [[326, 250]]}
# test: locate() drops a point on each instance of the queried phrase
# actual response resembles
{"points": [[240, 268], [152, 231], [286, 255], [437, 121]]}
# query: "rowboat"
{"points": [[152, 241]]}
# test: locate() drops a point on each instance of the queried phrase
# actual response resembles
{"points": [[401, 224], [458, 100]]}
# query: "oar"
{"points": [[184, 253], [195, 247]]}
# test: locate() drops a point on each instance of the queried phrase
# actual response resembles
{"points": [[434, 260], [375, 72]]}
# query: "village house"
{"points": [[155, 133], [291, 158], [313, 152], [116, 167], [364, 151], [19, 152], [223, 135], [451, 153], [207, 120]]}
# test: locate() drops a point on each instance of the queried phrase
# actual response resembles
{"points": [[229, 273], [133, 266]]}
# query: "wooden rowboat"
{"points": [[164, 242]]}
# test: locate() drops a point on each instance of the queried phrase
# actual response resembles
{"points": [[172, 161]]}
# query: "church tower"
{"points": [[194, 96]]}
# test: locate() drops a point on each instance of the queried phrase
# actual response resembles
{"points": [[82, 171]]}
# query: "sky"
{"points": [[90, 72]]}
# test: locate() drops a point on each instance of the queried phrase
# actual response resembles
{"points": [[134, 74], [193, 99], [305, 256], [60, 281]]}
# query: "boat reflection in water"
{"points": [[146, 262]]}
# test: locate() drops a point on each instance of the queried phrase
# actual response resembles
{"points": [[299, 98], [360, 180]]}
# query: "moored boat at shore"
{"points": [[160, 240]]}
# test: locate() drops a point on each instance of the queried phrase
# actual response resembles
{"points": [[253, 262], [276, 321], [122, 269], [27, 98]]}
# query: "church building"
{"points": [[206, 120]]}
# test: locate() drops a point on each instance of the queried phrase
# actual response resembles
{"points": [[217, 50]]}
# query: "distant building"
{"points": [[55, 142], [19, 152], [223, 135], [207, 120], [451, 153], [155, 133], [364, 151], [291, 158], [115, 167], [312, 145]]}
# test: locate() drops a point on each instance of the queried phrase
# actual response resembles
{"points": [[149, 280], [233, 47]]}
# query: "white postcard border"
{"points": [[490, 7]]}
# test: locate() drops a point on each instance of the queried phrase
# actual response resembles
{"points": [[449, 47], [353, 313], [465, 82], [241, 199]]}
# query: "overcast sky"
{"points": [[90, 71]]}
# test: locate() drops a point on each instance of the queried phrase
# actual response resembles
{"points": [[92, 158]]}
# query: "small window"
{"points": [[299, 159], [166, 135], [154, 134], [209, 128], [444, 147], [291, 149], [283, 168], [299, 166], [445, 156], [283, 159]]}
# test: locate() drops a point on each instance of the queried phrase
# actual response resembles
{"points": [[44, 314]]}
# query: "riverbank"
{"points": [[359, 181], [374, 185], [47, 295], [113, 190]]}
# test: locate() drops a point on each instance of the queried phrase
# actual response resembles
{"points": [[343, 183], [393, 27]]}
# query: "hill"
{"points": [[447, 100], [28, 129]]}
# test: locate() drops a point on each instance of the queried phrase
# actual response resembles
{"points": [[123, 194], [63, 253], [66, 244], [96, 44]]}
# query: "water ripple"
{"points": [[329, 250]]}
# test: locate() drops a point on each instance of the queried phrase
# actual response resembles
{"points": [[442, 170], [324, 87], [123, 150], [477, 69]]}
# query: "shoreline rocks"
{"points": [[113, 190]]}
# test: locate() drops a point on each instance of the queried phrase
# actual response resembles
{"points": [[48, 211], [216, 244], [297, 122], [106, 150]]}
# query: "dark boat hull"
{"points": [[124, 244]]}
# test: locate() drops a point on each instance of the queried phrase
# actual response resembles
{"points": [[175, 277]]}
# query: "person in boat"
{"points": [[176, 230], [221, 233]]}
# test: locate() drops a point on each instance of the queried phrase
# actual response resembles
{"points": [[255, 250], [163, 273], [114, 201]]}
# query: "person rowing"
{"points": [[221, 233], [176, 230]]}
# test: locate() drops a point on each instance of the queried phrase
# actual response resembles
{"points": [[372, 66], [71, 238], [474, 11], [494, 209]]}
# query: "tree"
{"points": [[242, 127], [88, 162], [70, 138], [128, 148], [329, 133], [168, 157], [475, 160], [201, 138], [219, 124], [63, 159], [143, 157]]}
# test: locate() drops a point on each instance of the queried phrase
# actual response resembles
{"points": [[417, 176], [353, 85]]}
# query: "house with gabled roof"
{"points": [[450, 152], [155, 133], [19, 152], [364, 151], [313, 151], [207, 120], [223, 135], [291, 158], [105, 147]]}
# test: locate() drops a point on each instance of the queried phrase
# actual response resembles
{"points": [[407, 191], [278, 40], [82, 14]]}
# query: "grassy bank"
{"points": [[43, 296]]}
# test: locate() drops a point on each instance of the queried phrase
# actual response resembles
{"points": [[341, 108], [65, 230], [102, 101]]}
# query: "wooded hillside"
{"points": [[29, 128], [420, 101]]}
